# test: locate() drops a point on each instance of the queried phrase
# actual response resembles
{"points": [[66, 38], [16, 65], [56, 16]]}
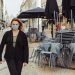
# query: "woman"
{"points": [[17, 51]]}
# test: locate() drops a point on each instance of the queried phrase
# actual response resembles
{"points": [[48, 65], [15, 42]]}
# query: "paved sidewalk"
{"points": [[3, 65], [33, 69]]}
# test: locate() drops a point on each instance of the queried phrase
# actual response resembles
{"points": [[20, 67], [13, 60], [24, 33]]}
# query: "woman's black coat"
{"points": [[20, 52]]}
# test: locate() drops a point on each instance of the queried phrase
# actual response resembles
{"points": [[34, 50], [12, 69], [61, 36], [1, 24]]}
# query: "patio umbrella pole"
{"points": [[29, 29], [71, 19], [59, 19], [73, 24], [38, 24], [55, 17], [54, 20]]}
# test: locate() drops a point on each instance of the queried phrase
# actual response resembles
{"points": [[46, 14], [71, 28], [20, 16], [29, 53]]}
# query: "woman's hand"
{"points": [[2, 61], [24, 64]]}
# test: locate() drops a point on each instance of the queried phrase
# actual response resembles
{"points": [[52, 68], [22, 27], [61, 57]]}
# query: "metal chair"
{"points": [[36, 52], [51, 57]]}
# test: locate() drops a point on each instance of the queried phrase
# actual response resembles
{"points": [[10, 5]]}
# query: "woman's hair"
{"points": [[20, 23]]}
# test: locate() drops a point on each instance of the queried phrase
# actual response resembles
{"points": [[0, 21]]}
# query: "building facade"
{"points": [[1, 13], [43, 3], [26, 4]]}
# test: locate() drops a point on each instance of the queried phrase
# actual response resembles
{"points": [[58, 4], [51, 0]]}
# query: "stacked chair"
{"points": [[67, 39]]}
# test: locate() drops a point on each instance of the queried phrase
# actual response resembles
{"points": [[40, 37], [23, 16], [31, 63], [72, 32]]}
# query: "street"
{"points": [[52, 20], [34, 69]]}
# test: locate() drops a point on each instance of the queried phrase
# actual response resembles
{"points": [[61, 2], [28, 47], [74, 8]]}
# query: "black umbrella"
{"points": [[72, 2], [33, 13], [51, 7], [35, 10], [51, 12], [66, 8], [73, 9]]}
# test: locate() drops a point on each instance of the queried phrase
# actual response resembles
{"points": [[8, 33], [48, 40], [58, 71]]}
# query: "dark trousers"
{"points": [[14, 67]]}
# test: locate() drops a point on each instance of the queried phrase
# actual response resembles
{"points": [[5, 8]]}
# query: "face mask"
{"points": [[15, 27]]}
